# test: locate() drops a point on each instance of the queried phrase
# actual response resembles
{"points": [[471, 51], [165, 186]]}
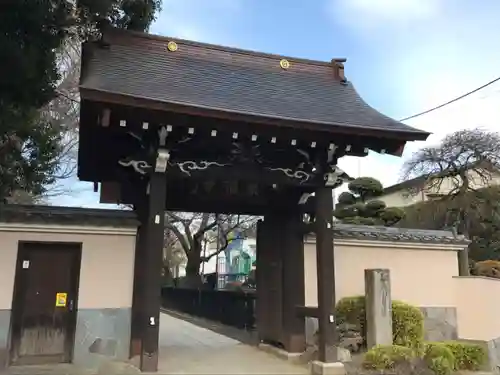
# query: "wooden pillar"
{"points": [[137, 300], [153, 257], [325, 273], [274, 286], [292, 253], [463, 262], [269, 274]]}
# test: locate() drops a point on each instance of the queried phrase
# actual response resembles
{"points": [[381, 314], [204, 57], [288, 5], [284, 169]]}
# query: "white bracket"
{"points": [[162, 160], [304, 197]]}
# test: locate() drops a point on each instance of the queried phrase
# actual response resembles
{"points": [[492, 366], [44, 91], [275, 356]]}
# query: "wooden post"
{"points": [[463, 262], [153, 259], [269, 274], [137, 298], [325, 273], [292, 253]]}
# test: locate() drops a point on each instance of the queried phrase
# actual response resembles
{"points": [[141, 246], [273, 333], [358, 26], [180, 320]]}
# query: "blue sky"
{"points": [[403, 56]]}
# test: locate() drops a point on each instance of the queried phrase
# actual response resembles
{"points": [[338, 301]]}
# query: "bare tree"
{"points": [[191, 229], [62, 115], [173, 256], [458, 171], [465, 160]]}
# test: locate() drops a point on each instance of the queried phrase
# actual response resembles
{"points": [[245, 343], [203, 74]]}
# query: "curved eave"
{"points": [[103, 96]]}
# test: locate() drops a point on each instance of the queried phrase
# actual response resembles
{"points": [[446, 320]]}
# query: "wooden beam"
{"points": [[218, 171], [153, 262], [307, 311], [325, 272], [307, 228], [181, 198]]}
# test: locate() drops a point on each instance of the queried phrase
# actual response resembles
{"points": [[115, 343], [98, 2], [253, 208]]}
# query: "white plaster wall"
{"points": [[478, 307], [418, 276], [107, 267], [402, 199]]}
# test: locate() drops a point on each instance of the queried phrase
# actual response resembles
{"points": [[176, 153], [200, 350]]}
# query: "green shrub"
{"points": [[439, 358], [442, 358], [468, 356], [352, 310], [386, 357], [487, 268], [407, 320], [407, 325]]}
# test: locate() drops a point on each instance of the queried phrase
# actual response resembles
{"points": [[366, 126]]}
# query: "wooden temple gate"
{"points": [[183, 126]]}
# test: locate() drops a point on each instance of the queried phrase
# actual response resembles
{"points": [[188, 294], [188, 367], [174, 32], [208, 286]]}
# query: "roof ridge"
{"points": [[217, 47]]}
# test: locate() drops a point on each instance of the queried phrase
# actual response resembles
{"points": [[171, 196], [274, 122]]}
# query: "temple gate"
{"points": [[182, 126]]}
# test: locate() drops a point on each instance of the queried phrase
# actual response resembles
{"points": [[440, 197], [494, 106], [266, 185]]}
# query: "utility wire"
{"points": [[451, 101]]}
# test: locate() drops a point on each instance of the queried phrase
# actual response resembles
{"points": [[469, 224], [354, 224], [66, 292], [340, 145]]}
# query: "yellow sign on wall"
{"points": [[61, 299]]}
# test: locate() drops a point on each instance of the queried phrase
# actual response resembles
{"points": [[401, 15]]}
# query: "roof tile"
{"points": [[213, 77]]}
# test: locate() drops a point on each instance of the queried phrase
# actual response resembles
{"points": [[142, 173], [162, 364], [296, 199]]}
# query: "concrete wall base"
{"points": [[322, 368], [102, 335], [282, 354], [494, 355], [440, 323], [4, 338], [117, 368]]}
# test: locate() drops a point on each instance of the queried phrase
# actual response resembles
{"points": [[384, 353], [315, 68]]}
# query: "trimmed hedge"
{"points": [[468, 356], [487, 268], [439, 358], [386, 357], [408, 336], [407, 320], [442, 358]]}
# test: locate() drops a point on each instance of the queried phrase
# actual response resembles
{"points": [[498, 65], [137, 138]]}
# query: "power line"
{"points": [[451, 101]]}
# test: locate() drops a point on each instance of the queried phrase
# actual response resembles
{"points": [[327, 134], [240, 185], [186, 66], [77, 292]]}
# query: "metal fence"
{"points": [[227, 278], [232, 308]]}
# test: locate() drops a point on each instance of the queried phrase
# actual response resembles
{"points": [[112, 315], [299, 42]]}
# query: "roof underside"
{"points": [[210, 77]]}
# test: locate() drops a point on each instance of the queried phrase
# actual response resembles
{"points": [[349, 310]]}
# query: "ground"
{"points": [[195, 346], [186, 348], [189, 349]]}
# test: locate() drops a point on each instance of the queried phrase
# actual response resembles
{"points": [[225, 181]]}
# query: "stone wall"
{"points": [[440, 323], [311, 328], [101, 335], [494, 354], [4, 337]]}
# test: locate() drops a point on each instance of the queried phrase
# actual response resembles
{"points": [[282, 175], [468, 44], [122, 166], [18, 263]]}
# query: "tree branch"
{"points": [[224, 234], [180, 236]]}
